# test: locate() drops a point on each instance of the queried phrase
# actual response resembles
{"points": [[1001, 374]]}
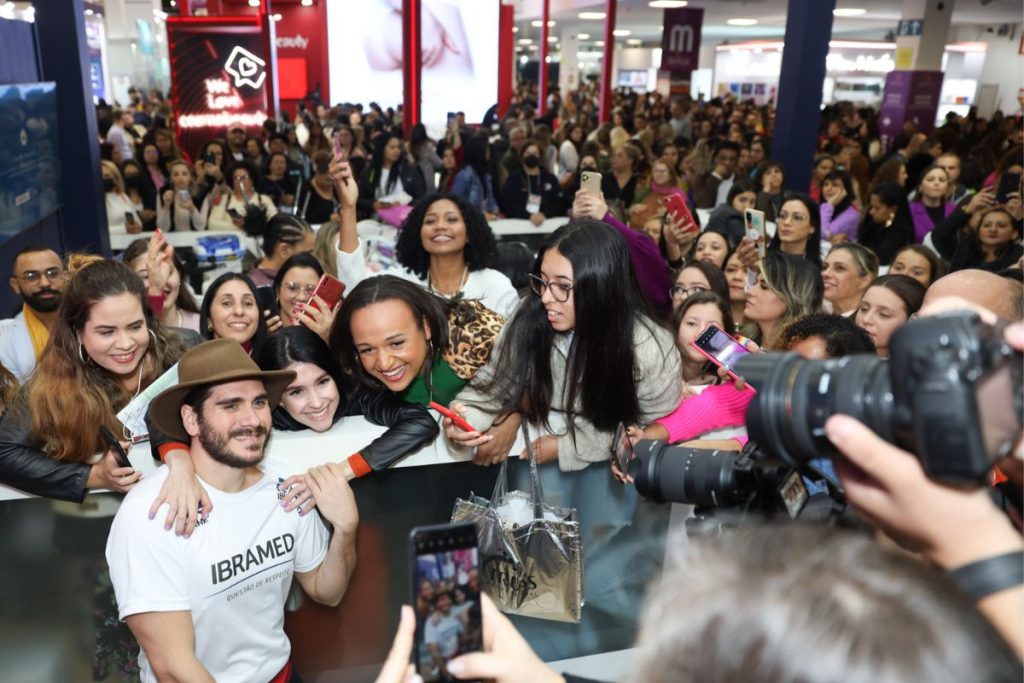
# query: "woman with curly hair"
{"points": [[445, 245]]}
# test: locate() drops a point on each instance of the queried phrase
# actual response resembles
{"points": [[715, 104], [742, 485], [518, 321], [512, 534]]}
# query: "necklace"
{"points": [[430, 284]]}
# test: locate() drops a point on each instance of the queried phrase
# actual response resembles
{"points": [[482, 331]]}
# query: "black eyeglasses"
{"points": [[559, 290], [680, 292], [51, 274]]}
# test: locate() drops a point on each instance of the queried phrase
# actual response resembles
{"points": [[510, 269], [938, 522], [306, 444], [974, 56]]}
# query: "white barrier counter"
{"points": [[299, 451]]}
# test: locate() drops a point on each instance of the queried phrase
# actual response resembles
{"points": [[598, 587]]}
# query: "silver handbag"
{"points": [[531, 557]]}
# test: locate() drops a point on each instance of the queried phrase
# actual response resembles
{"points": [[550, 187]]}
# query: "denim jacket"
{"points": [[468, 186]]}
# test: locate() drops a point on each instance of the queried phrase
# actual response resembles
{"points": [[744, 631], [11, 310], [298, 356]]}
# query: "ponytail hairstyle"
{"points": [[601, 373], [283, 228], [69, 395], [429, 311]]}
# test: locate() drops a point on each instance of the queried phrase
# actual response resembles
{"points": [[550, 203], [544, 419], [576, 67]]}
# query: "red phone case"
{"points": [[453, 416], [329, 289], [676, 206]]}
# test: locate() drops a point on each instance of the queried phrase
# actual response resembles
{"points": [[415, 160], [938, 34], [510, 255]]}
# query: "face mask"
{"points": [[531, 161], [589, 169], [132, 181], [108, 184]]}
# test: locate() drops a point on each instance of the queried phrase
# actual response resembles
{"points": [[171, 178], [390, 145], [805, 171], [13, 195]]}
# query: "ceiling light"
{"points": [[583, 36], [592, 15], [552, 39], [275, 17], [307, 3], [525, 41], [849, 12], [621, 32], [634, 41], [741, 22], [537, 23], [254, 3], [599, 43], [668, 4], [515, 29]]}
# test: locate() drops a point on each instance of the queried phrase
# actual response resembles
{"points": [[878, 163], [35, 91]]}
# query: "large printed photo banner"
{"points": [[459, 55], [219, 76]]}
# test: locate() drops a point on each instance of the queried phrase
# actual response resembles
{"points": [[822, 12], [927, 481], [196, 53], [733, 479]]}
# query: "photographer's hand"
{"points": [[950, 526]]}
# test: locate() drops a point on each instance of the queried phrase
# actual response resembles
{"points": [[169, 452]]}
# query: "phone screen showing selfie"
{"points": [[724, 348], [446, 585]]}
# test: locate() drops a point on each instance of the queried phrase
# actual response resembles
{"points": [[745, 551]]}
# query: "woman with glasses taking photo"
{"points": [[587, 328]]}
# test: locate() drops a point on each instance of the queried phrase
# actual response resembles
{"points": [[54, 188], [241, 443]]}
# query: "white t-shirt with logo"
{"points": [[443, 630], [233, 574]]}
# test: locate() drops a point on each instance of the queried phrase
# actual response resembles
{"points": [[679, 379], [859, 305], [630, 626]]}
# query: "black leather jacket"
{"points": [[24, 466], [410, 425]]}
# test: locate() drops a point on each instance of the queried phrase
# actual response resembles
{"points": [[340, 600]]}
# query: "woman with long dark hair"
{"points": [[390, 179], [839, 216], [799, 228], [231, 309], [321, 394], [887, 228], [580, 356]]}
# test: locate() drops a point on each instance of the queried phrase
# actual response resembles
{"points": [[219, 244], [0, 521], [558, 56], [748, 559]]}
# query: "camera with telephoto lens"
{"points": [[951, 393]]}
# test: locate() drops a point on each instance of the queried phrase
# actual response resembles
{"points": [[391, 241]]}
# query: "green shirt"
{"points": [[445, 384]]}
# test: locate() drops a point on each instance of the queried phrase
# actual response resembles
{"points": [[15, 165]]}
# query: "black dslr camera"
{"points": [[951, 393]]}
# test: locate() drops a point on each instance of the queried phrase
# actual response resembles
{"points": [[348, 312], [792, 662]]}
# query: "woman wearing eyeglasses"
{"points": [[294, 284], [798, 230], [580, 356], [697, 276]]}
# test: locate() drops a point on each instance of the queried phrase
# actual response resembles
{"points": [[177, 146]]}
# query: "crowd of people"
{"points": [[593, 331]]}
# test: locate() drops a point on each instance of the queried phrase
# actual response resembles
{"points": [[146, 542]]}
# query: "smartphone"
{"points": [[115, 445], [679, 211], [329, 289], [453, 416], [591, 182], [720, 348], [234, 213], [445, 571], [754, 221], [210, 158], [129, 217], [1008, 184], [622, 448]]}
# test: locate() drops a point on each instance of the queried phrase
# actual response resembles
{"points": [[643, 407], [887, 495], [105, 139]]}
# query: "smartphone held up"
{"points": [[720, 348], [445, 570]]}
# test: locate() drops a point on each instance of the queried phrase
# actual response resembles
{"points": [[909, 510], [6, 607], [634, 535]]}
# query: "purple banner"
{"points": [[908, 96], [680, 40]]}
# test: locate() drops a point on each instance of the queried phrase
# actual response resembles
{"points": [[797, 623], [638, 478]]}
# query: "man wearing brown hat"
{"points": [[210, 607]]}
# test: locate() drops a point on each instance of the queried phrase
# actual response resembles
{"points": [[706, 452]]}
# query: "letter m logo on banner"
{"points": [[680, 42]]}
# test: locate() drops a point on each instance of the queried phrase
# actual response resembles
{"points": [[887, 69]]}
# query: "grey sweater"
{"points": [[659, 389]]}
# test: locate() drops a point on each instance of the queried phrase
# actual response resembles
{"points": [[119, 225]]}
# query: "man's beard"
{"points": [[217, 445], [42, 305]]}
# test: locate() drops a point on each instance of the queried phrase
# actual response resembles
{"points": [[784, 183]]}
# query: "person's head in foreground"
{"points": [[812, 604]]}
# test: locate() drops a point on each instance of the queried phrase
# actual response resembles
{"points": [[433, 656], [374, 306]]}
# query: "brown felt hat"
{"points": [[213, 362]]}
